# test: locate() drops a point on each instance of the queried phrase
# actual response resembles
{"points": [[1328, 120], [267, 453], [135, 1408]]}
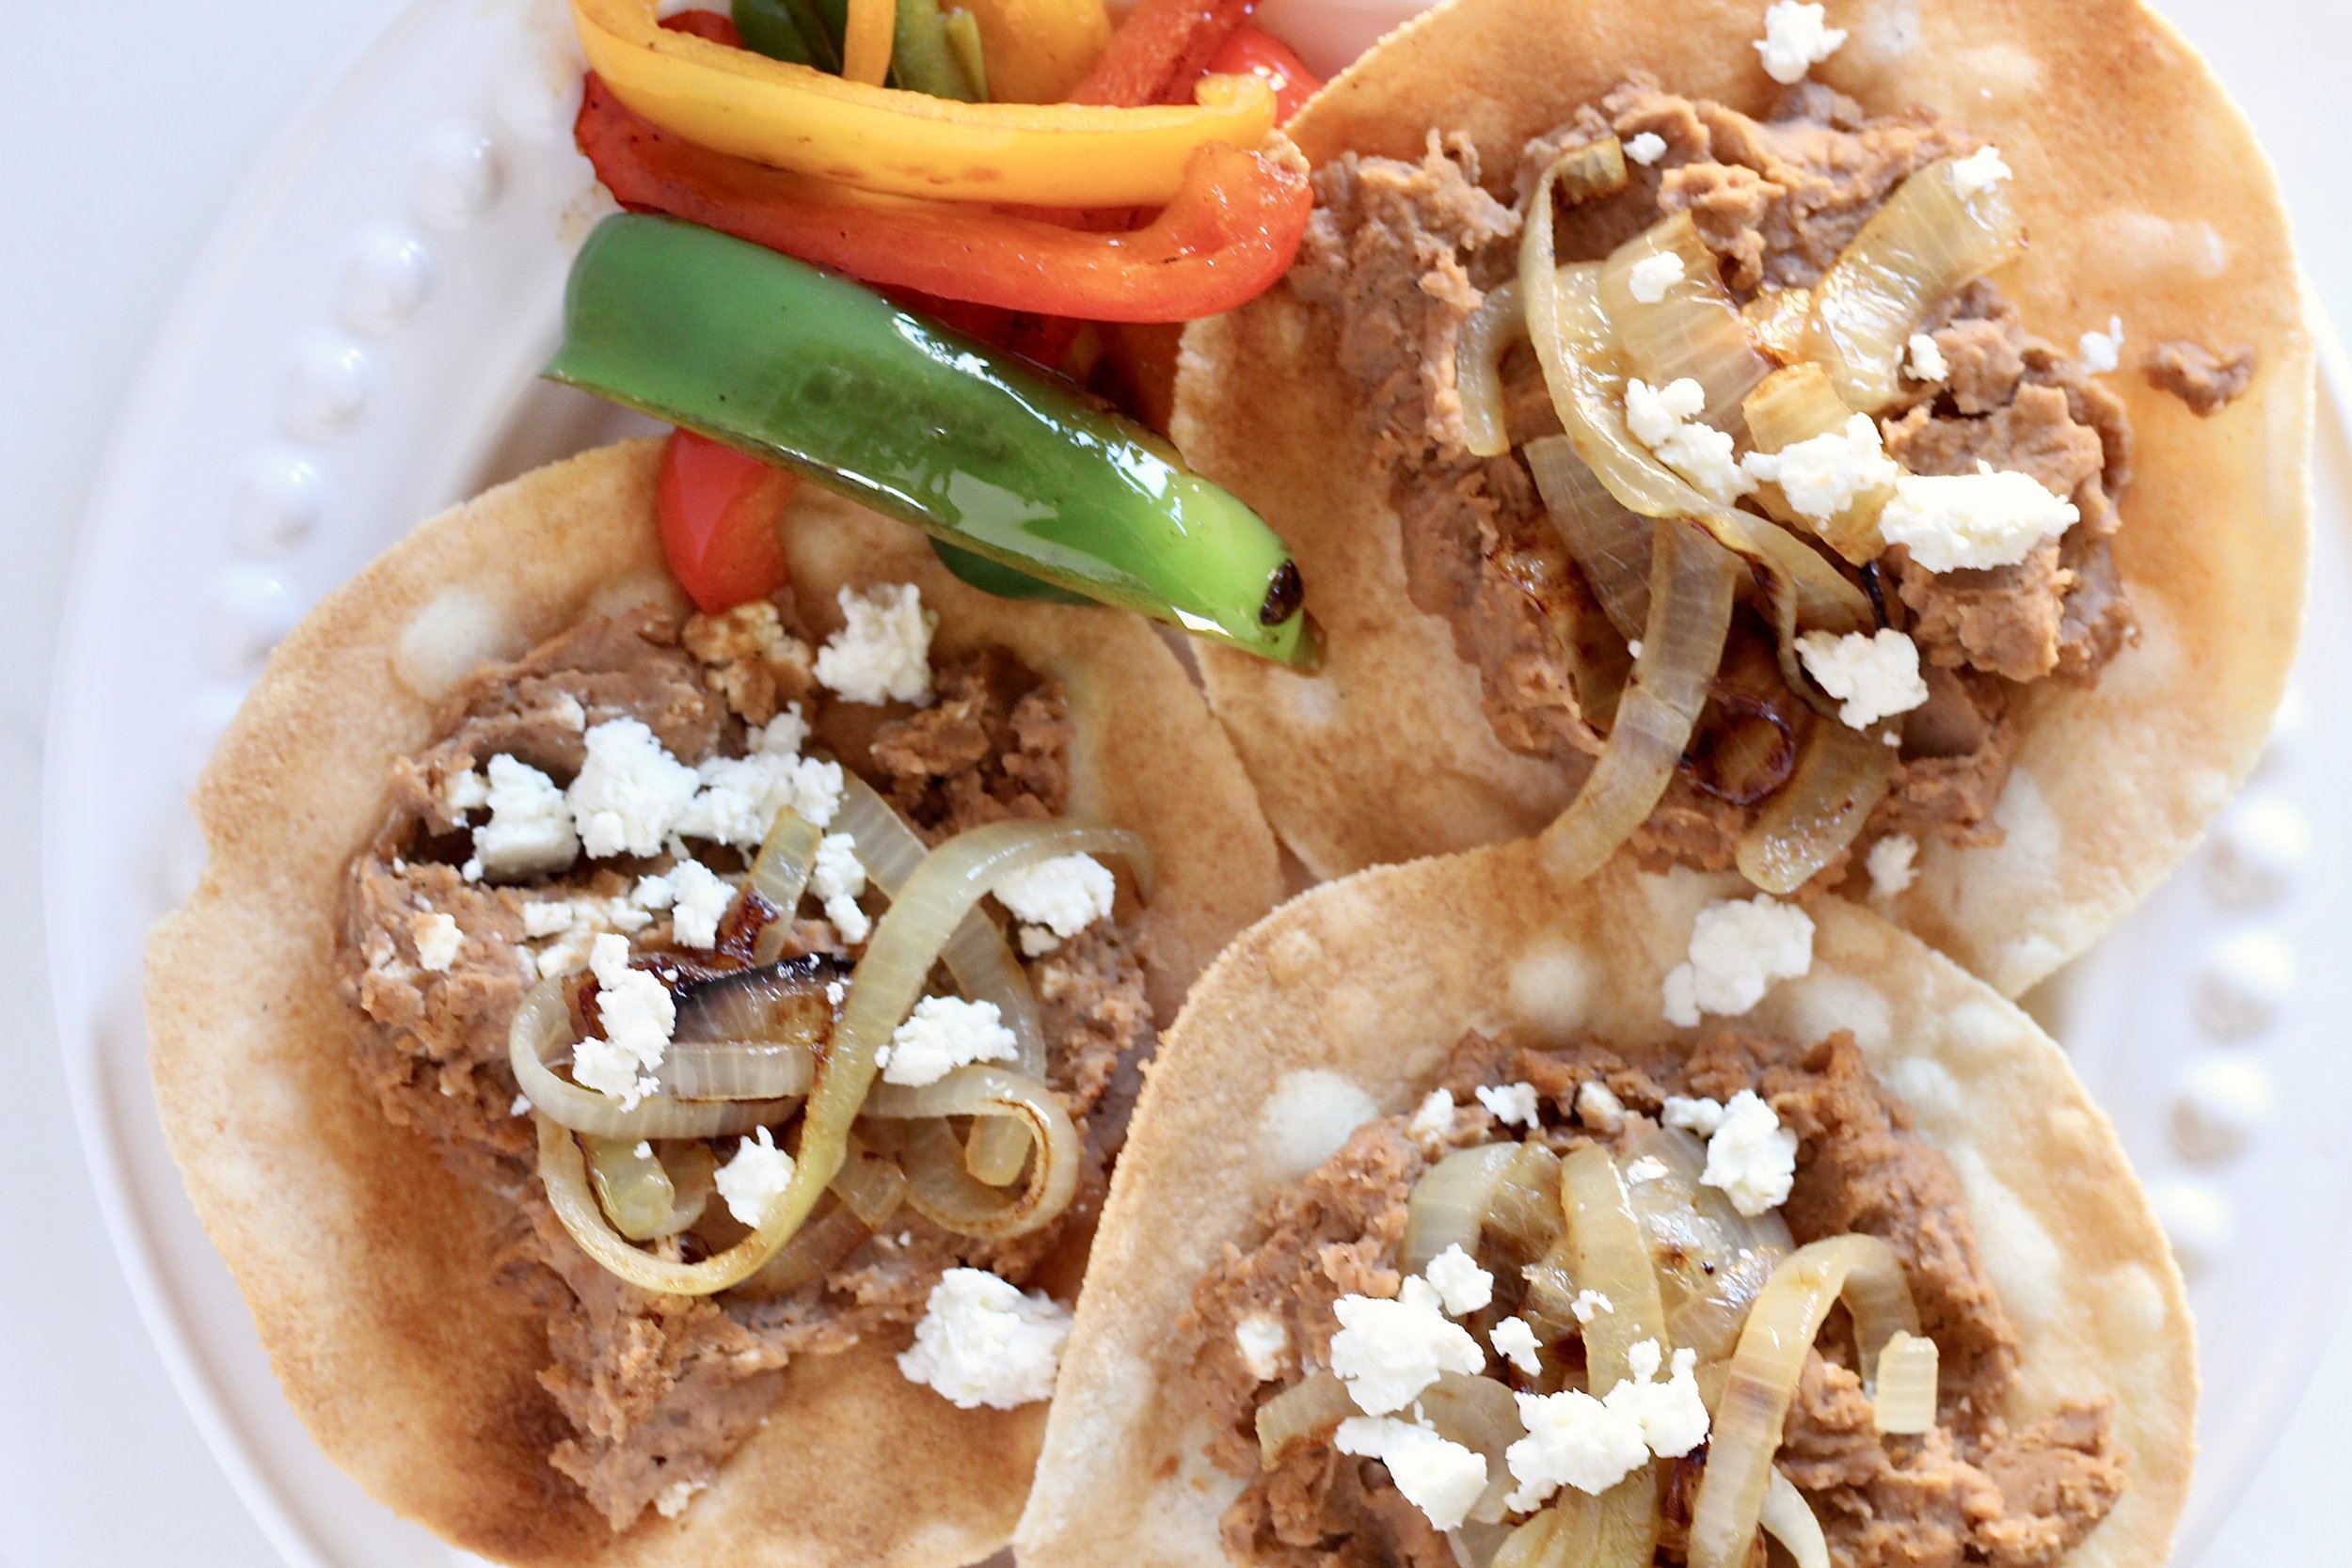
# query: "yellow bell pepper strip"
{"points": [[865, 48], [1038, 50], [790, 117]]}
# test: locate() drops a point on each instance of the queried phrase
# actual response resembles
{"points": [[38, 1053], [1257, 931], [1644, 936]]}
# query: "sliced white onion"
{"points": [[1926, 244], [1693, 329], [1904, 1399], [1864, 1274], [1788, 1519], [780, 875], [940, 1185], [1611, 547], [1449, 1203], [542, 1031]]}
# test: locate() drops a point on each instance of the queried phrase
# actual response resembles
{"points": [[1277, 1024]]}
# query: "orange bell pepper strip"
{"points": [[1228, 234], [790, 117], [1160, 51]]}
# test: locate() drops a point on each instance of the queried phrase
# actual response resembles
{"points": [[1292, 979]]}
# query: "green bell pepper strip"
{"points": [[978, 571], [788, 30], [921, 59], [809, 371]]}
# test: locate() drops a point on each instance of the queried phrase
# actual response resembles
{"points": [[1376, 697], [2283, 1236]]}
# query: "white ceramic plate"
{"points": [[355, 351]]}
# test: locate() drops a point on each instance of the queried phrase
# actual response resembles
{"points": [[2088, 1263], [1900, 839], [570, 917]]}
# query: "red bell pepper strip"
{"points": [[1227, 237], [718, 512], [1249, 51], [706, 25], [1160, 51]]}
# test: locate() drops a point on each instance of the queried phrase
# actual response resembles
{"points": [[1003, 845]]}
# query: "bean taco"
{"points": [[545, 915], [1455, 1251], [1861, 446]]}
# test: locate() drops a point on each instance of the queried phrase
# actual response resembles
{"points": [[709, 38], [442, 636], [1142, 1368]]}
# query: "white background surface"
{"points": [[126, 125]]}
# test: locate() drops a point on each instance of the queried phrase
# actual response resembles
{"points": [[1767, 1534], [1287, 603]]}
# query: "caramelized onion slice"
{"points": [[1447, 1205], [1841, 776], [1798, 403], [1300, 1413], [814, 1251], [751, 1034], [1780, 318], [1611, 546], [1862, 1271], [632, 1188], [1692, 580], [1710, 1260], [1524, 1210], [542, 1031], [1481, 1415], [1584, 372], [1923, 246], [1606, 1253], [1904, 1401], [1486, 336], [1693, 329], [780, 875], [983, 966], [1788, 1519], [940, 1185]]}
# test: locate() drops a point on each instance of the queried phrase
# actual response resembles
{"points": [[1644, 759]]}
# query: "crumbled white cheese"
{"points": [[1461, 1285], [1065, 894], [1654, 413], [631, 792], [544, 917], [1660, 418], [1433, 1118], [437, 939], [836, 878], [471, 870], [756, 1177], [1649, 278], [1797, 37], [945, 1033], [1673, 1416], [1589, 1305], [784, 735], [700, 897], [1386, 1352], [653, 893], [1891, 866], [1591, 1444], [521, 1107], [1436, 1474], [1752, 1156], [1598, 1107], [1875, 675], [1979, 171], [464, 792], [530, 829], [736, 798], [1264, 1340], [1972, 521], [1512, 1104], [1036, 941], [1646, 1169], [1697, 1115], [883, 652], [1646, 148], [1926, 362], [817, 791], [1634, 647], [1823, 475], [982, 1343], [1572, 1439], [1516, 1342], [567, 711], [1738, 949], [2102, 351], [638, 1018]]}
